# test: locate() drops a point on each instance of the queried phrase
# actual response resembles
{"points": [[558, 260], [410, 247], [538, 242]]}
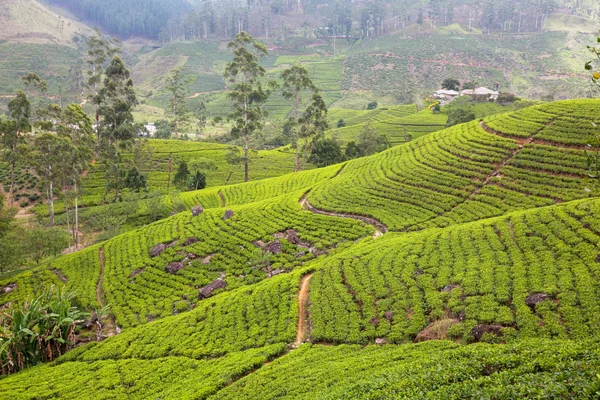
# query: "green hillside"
{"points": [[480, 240], [403, 66]]}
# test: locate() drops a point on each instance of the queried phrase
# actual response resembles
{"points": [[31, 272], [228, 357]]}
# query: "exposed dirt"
{"points": [[109, 326], [437, 330], [99, 289], [303, 319], [222, 196], [60, 275]]}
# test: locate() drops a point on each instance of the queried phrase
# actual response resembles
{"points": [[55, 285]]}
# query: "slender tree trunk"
{"points": [[51, 198], [12, 184], [76, 225], [170, 169], [117, 185], [296, 106], [246, 148], [246, 142], [68, 224]]}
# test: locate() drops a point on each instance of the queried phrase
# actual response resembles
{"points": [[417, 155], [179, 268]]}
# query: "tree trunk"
{"points": [[246, 148], [12, 184], [296, 106], [76, 225], [51, 198], [117, 187], [246, 141], [170, 169], [68, 224]]}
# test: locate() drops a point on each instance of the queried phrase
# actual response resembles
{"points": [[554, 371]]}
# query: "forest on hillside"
{"points": [[205, 19]]}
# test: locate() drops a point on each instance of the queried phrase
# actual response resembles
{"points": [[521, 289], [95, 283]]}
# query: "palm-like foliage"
{"points": [[38, 331]]}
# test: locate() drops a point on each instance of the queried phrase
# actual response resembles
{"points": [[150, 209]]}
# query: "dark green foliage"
{"points": [[135, 180], [326, 152], [297, 83], [181, 178], [451, 84], [372, 105], [163, 129], [352, 150], [505, 98], [115, 101], [371, 142], [177, 107], [197, 181], [341, 123], [459, 116]]}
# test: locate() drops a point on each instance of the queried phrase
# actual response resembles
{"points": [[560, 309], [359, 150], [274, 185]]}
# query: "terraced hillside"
{"points": [[211, 157], [479, 240], [471, 171], [400, 124], [405, 66]]}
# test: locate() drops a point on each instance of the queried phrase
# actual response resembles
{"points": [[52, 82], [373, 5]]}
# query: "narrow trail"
{"points": [[24, 213], [380, 228], [522, 142], [99, 289], [195, 95], [223, 201], [109, 325], [303, 320]]}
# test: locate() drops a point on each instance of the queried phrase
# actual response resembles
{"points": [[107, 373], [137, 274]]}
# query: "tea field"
{"points": [[462, 264]]}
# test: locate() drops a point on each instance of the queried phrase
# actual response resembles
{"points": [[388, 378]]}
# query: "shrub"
{"points": [[39, 330]]}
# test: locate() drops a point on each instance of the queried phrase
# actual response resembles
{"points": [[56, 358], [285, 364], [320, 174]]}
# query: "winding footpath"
{"points": [[303, 330], [380, 228], [99, 289]]}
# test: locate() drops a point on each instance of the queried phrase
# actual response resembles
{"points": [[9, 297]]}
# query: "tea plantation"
{"points": [[462, 264]]}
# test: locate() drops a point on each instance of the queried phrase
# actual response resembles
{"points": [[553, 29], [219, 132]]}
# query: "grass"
{"points": [[32, 22]]}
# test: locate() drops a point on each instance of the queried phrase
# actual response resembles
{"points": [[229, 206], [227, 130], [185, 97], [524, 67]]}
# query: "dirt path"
{"points": [[109, 325], [24, 213], [303, 323], [193, 96], [380, 228], [222, 196], [99, 289]]}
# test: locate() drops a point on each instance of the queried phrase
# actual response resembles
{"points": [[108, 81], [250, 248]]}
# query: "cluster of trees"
{"points": [[126, 18], [249, 90], [516, 15], [185, 179], [204, 19], [328, 151], [178, 110], [60, 144]]}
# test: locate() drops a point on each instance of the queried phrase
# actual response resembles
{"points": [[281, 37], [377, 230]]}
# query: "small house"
{"points": [[445, 95], [481, 94]]}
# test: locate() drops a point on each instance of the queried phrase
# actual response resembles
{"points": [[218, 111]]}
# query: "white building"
{"points": [[481, 94], [151, 128], [446, 95]]}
